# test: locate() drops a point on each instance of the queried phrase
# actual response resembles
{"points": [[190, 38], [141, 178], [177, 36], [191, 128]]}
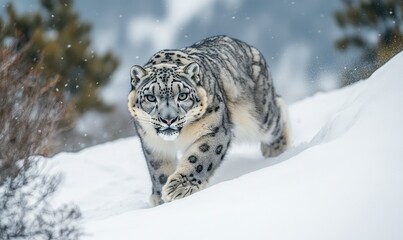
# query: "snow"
{"points": [[341, 179], [178, 13]]}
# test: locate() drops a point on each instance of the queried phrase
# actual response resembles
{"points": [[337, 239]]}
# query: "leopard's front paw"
{"points": [[179, 186], [155, 200]]}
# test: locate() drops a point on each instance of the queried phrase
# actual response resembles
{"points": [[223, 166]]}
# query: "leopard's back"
{"points": [[244, 78]]}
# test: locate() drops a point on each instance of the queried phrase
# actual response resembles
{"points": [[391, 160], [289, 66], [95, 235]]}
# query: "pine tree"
{"points": [[57, 38], [373, 26]]}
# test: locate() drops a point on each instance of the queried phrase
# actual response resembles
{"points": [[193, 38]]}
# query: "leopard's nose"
{"points": [[168, 121]]}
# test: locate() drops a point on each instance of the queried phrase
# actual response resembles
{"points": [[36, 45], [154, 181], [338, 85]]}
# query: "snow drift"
{"points": [[341, 179]]}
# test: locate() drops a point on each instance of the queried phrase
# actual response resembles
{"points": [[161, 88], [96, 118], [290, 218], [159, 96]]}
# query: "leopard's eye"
{"points": [[150, 98], [183, 96]]}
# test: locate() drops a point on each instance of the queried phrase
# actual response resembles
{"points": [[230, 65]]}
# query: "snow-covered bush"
{"points": [[30, 113]]}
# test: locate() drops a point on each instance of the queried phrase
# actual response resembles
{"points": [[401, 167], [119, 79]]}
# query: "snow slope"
{"points": [[341, 179]]}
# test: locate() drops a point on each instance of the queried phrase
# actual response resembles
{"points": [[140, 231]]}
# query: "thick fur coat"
{"points": [[194, 101]]}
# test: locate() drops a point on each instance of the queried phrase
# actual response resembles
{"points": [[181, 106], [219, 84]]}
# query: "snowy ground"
{"points": [[341, 179]]}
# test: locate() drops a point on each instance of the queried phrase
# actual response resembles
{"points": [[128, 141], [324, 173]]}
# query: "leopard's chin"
{"points": [[168, 134]]}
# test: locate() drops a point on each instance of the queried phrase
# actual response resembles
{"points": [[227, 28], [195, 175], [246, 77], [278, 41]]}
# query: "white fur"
{"points": [[246, 128], [168, 137]]}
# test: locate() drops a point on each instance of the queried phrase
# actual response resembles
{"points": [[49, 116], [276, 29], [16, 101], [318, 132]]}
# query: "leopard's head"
{"points": [[166, 97]]}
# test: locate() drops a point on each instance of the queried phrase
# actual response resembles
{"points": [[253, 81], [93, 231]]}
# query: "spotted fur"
{"points": [[196, 100]]}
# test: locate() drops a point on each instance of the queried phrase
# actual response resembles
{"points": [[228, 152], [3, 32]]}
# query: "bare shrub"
{"points": [[31, 110]]}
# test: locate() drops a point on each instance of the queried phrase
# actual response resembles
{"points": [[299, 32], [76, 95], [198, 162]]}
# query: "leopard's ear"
{"points": [[192, 70], [136, 74]]}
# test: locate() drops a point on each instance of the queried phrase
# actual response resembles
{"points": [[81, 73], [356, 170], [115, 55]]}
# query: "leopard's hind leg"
{"points": [[276, 137]]}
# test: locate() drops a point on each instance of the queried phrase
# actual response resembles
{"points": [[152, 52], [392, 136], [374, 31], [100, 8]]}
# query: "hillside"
{"points": [[341, 179]]}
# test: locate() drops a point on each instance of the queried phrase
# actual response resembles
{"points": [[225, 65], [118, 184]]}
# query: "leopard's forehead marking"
{"points": [[164, 73], [166, 78], [176, 57]]}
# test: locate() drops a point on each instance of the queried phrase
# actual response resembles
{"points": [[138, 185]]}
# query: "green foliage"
{"points": [[57, 38], [373, 26]]}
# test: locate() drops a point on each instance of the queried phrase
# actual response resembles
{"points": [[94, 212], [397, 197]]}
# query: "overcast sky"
{"points": [[296, 37]]}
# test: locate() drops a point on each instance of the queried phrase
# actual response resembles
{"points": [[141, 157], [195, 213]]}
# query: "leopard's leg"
{"points": [[198, 163], [277, 132], [160, 166], [272, 114]]}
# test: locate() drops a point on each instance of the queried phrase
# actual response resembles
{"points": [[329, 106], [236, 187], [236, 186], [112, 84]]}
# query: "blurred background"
{"points": [[310, 45]]}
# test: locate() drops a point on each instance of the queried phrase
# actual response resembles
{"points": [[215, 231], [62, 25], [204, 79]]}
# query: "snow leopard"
{"points": [[189, 104]]}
